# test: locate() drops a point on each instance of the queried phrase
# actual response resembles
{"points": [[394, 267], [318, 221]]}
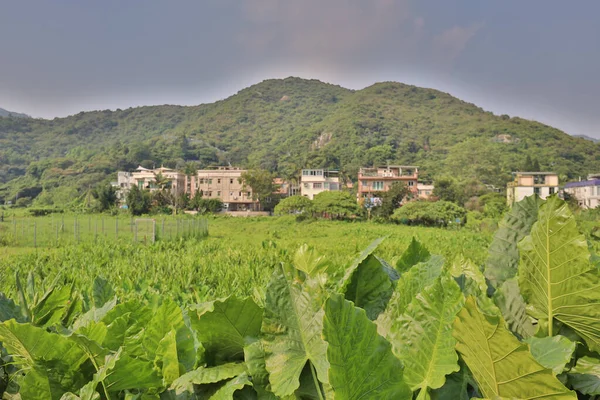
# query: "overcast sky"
{"points": [[538, 59]]}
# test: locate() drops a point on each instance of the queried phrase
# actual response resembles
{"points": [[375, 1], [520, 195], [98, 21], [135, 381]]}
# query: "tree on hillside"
{"points": [[262, 185], [294, 204], [138, 201], [391, 199], [335, 204], [446, 189], [106, 196]]}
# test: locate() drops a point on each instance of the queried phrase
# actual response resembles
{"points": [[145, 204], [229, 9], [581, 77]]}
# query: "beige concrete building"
{"points": [[586, 192], [315, 181], [374, 180], [424, 191], [145, 178], [224, 183], [525, 184]]}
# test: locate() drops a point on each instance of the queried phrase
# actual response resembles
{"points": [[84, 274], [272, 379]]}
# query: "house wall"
{"points": [[225, 183], [311, 185], [587, 196]]}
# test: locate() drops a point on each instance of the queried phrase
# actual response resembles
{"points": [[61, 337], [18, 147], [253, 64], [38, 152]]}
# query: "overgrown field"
{"points": [[250, 313], [237, 258]]}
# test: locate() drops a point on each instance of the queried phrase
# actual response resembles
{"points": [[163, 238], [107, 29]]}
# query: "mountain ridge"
{"points": [[283, 125], [6, 113]]}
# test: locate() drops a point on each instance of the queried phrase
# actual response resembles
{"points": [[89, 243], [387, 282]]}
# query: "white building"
{"points": [[586, 192], [315, 181], [543, 184], [145, 178]]}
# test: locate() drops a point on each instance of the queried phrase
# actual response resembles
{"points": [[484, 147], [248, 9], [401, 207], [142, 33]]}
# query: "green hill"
{"points": [[283, 125]]}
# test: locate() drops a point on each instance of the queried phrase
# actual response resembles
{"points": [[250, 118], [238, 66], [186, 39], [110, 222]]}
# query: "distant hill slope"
{"points": [[6, 113], [591, 139], [284, 125]]}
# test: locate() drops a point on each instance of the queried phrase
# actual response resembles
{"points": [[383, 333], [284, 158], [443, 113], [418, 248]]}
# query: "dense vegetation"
{"points": [[282, 126], [526, 325]]}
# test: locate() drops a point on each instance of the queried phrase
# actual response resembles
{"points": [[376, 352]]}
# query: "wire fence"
{"points": [[58, 230]]}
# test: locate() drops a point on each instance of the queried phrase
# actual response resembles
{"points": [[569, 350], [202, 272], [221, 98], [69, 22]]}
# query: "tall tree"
{"points": [[262, 185]]}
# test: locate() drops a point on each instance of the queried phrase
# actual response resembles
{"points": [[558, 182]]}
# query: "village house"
{"points": [[286, 188], [586, 192], [224, 183], [424, 191], [525, 184], [145, 178], [315, 181], [374, 180]]}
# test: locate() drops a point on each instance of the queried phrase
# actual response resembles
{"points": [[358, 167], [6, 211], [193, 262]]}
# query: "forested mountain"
{"points": [[284, 125], [6, 113]]}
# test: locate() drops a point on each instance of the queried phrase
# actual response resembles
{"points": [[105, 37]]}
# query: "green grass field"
{"points": [[237, 257]]}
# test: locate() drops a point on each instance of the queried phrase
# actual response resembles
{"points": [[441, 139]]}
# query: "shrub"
{"points": [[335, 205], [440, 213], [294, 205]]}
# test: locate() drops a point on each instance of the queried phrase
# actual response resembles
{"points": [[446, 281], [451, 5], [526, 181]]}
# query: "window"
{"points": [[218, 181], [317, 185], [231, 193], [365, 183], [306, 186], [411, 183], [240, 194], [551, 190], [210, 181], [333, 186], [231, 181], [536, 190], [218, 194], [209, 194], [326, 185], [249, 194], [539, 179], [378, 185]]}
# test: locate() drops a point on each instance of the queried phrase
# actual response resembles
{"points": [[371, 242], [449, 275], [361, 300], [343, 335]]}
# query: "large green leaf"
{"points": [[414, 254], [556, 277], [102, 292], [49, 310], [309, 261], [52, 363], [362, 363], [503, 258], [166, 357], [254, 354], [509, 300], [457, 386], [585, 376], [408, 286], [205, 375], [358, 260], [422, 337], [226, 391], [553, 352], [167, 316], [292, 326], [370, 286], [223, 326], [501, 365], [9, 310], [132, 373]]}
